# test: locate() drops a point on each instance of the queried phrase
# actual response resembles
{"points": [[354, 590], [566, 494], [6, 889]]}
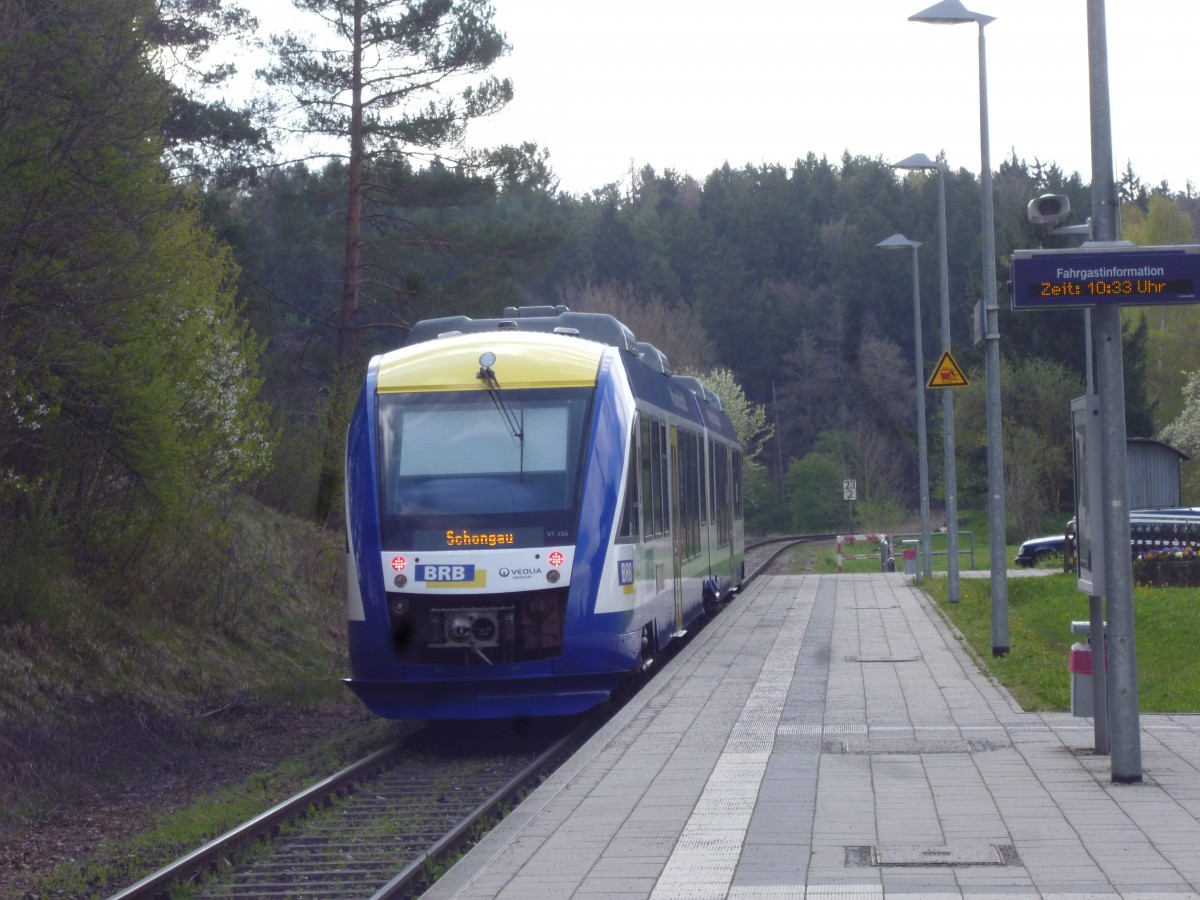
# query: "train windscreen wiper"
{"points": [[488, 377]]}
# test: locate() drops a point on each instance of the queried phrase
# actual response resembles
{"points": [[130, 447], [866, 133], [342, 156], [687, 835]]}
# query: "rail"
{"points": [[207, 857]]}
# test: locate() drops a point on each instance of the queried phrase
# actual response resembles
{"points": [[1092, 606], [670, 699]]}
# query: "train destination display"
{"points": [[1124, 275]]}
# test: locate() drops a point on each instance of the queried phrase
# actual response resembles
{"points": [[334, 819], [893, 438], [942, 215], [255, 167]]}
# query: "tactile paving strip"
{"points": [[705, 857]]}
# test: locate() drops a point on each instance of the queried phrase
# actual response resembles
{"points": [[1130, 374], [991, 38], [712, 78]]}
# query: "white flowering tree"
{"points": [[1184, 432], [749, 419]]}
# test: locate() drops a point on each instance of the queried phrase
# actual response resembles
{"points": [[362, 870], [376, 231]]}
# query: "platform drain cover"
{"points": [[909, 746], [883, 659], [970, 853]]}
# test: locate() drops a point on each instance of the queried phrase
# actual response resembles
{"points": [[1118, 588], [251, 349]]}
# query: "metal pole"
{"points": [[922, 450], [995, 433], [1096, 603], [1099, 673], [1100, 729], [952, 586], [1110, 383]]}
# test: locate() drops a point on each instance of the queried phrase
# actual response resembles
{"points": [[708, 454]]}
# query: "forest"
{"points": [[186, 312]]}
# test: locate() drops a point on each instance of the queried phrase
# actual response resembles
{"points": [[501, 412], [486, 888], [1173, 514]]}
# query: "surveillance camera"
{"points": [[1048, 209]]}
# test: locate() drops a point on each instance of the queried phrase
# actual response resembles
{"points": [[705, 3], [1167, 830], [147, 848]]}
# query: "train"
{"points": [[536, 507]]}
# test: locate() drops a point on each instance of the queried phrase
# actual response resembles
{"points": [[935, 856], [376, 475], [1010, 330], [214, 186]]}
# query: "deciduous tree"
{"points": [[128, 387]]}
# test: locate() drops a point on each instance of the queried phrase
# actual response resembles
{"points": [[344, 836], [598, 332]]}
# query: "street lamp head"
{"points": [[949, 12], [920, 161], [898, 242]]}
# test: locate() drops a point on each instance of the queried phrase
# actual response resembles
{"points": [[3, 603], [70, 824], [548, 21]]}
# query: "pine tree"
{"points": [[379, 93]]}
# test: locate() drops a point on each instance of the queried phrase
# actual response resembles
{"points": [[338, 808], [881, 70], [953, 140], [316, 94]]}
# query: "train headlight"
{"points": [[552, 576], [399, 563], [399, 605], [400, 581], [484, 629]]}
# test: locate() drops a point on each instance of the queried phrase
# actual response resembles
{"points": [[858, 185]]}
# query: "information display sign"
{"points": [[1108, 275]]}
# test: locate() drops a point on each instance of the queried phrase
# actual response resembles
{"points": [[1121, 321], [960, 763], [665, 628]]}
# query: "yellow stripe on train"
{"points": [[524, 359]]}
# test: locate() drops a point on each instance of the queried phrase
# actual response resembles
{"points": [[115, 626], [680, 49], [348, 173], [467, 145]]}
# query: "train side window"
{"points": [[721, 497], [662, 499], [631, 513], [737, 485], [647, 458], [689, 493]]}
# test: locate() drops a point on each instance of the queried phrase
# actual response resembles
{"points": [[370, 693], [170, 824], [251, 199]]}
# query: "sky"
{"points": [[607, 86]]}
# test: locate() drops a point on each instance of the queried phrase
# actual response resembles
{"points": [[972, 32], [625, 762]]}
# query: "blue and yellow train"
{"points": [[535, 507]]}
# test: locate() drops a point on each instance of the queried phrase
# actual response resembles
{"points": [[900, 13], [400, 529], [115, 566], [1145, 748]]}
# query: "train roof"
{"points": [[599, 327], [526, 360], [646, 378]]}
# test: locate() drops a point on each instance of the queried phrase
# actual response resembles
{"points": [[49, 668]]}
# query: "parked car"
{"points": [[1149, 528], [1043, 549]]}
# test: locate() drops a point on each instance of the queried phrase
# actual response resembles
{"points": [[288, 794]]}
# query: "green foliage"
{"points": [[1036, 395], [1183, 432], [882, 517], [1172, 332], [379, 116], [415, 45], [288, 232], [770, 272], [206, 139], [129, 388], [749, 419], [814, 491], [235, 599], [766, 508]]}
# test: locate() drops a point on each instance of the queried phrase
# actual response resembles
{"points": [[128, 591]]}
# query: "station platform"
{"points": [[829, 736]]}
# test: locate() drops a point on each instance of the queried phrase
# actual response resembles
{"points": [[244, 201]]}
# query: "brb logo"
{"points": [[444, 573], [625, 571]]}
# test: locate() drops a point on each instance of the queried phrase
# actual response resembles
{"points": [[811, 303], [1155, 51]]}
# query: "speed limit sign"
{"points": [[849, 489]]}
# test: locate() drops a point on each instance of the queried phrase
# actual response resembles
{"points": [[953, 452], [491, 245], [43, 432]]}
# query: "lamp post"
{"points": [[921, 161], [1120, 645], [952, 12], [900, 242]]}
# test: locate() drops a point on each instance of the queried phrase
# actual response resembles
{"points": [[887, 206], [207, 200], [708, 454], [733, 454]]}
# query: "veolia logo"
{"points": [[519, 573]]}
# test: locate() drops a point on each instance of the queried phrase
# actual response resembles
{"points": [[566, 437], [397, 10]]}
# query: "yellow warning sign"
{"points": [[947, 373]]}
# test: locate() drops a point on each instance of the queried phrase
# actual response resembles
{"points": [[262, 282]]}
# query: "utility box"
{"points": [[1080, 666], [909, 552]]}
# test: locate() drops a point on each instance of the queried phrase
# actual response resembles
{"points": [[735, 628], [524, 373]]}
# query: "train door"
{"points": [[677, 536], [722, 513], [731, 490]]}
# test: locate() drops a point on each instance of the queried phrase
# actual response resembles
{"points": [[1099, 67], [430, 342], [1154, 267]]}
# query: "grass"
{"points": [[122, 861], [260, 618], [1040, 612], [973, 536], [98, 688]]}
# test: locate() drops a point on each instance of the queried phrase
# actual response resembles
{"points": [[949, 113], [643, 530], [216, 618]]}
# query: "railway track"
{"points": [[410, 806], [762, 554], [404, 807]]}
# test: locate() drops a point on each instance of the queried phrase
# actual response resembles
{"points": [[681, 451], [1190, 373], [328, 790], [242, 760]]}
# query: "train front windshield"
{"points": [[459, 470]]}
